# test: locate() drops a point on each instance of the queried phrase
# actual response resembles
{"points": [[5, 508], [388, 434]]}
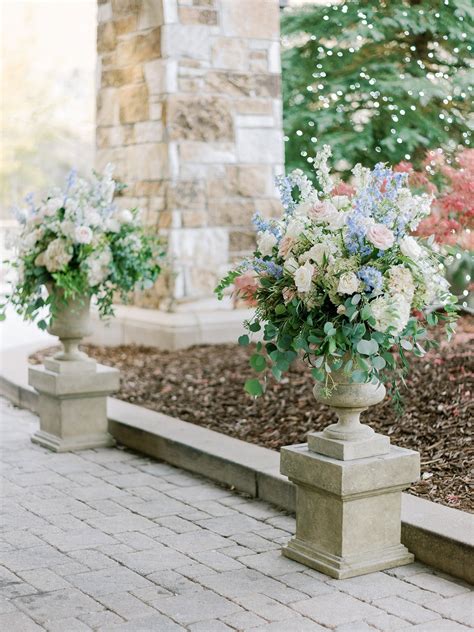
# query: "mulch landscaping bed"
{"points": [[204, 385]]}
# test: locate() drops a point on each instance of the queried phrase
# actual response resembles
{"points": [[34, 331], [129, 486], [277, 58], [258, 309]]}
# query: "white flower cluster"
{"points": [[329, 247], [83, 216]]}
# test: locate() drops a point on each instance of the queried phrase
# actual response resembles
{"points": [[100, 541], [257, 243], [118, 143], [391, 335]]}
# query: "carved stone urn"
{"points": [[349, 438], [71, 323]]}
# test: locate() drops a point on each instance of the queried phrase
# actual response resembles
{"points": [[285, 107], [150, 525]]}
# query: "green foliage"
{"points": [[338, 345], [379, 81]]}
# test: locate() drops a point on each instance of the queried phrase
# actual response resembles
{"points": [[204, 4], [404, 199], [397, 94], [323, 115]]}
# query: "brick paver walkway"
{"points": [[109, 540]]}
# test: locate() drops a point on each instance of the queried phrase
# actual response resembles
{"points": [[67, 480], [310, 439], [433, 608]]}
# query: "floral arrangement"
{"points": [[338, 278], [80, 242]]}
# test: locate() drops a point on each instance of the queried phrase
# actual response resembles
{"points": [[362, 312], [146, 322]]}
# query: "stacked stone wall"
{"points": [[189, 111]]}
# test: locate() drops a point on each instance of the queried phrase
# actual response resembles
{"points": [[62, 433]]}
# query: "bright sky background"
{"points": [[48, 59]]}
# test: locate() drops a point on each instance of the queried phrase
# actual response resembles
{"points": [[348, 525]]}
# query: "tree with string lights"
{"points": [[378, 81]]}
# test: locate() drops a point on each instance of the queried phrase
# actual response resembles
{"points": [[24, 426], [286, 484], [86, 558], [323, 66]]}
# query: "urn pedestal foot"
{"points": [[72, 404], [348, 512]]}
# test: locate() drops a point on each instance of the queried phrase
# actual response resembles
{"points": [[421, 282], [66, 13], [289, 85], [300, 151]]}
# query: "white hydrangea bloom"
{"points": [[98, 266], [390, 311], [57, 255], [400, 281]]}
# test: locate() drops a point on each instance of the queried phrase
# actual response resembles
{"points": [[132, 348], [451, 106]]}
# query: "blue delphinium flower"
{"points": [[263, 225], [285, 185], [260, 265], [372, 278], [377, 201]]}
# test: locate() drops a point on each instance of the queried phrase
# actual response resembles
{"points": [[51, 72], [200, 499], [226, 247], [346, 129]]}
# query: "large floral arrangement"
{"points": [[79, 242], [339, 279]]}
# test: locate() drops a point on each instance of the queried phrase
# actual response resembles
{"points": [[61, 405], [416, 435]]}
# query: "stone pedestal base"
{"points": [[348, 450], [72, 404], [348, 519]]}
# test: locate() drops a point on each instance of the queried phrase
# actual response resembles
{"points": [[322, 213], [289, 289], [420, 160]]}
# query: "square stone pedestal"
{"points": [[348, 519], [72, 404]]}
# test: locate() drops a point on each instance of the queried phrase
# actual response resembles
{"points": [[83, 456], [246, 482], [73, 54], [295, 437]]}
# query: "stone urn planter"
{"points": [[72, 387], [70, 323], [349, 481], [349, 438]]}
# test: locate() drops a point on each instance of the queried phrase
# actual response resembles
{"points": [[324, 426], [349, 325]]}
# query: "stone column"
{"points": [[189, 110]]}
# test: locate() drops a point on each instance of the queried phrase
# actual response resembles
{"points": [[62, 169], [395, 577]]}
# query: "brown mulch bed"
{"points": [[204, 385]]}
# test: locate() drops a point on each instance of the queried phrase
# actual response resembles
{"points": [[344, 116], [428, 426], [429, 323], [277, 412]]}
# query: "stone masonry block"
{"points": [[229, 53], [247, 18], [199, 118], [231, 213], [106, 37], [161, 76], [180, 41], [195, 15], [133, 103], [108, 107], [146, 161], [139, 48], [151, 14], [116, 77], [238, 84], [263, 146]]}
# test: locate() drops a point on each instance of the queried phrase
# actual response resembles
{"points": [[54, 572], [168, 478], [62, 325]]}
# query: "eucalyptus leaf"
{"points": [[254, 388]]}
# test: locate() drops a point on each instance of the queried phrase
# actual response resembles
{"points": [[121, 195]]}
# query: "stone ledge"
{"points": [[439, 536], [169, 330]]}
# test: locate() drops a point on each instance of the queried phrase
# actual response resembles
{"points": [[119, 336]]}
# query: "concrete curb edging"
{"points": [[439, 536]]}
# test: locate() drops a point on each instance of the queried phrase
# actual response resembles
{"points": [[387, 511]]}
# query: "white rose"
{"points": [[340, 201], [83, 235], [112, 225], [380, 236], [295, 228], [266, 243], [125, 217], [337, 220], [303, 277], [52, 206], [92, 217], [323, 211], [410, 248], [290, 265], [318, 253], [72, 205], [348, 283], [67, 228]]}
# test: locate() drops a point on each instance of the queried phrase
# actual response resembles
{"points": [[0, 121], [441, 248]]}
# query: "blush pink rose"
{"points": [[322, 211], [246, 286], [286, 244], [380, 236], [289, 294]]}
